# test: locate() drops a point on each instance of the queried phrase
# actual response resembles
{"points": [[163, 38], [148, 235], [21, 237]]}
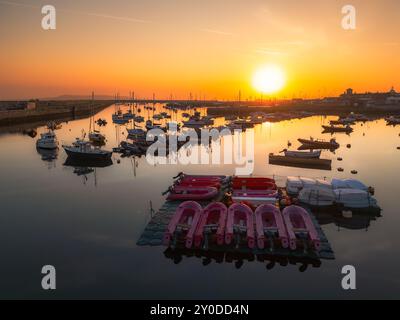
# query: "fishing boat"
{"points": [[300, 228], [303, 154], [300, 162], [186, 193], [333, 128], [47, 140], [240, 222], [183, 224], [319, 144], [85, 150], [211, 227], [270, 227]]}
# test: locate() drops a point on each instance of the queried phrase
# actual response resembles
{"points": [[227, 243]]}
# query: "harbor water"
{"points": [[86, 221]]}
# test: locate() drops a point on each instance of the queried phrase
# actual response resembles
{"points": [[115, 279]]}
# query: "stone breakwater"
{"points": [[51, 111]]}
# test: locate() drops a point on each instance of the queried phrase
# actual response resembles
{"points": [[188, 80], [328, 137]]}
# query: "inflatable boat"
{"points": [[254, 183], [240, 222], [255, 197], [300, 228], [270, 226], [188, 182], [212, 225], [183, 224], [185, 193]]}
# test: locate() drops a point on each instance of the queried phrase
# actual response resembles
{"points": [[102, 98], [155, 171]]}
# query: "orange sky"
{"points": [[208, 47]]}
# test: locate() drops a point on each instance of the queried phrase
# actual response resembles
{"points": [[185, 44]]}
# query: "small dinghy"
{"points": [[240, 221], [333, 128], [212, 225], [270, 225], [192, 193], [183, 224], [300, 228]]}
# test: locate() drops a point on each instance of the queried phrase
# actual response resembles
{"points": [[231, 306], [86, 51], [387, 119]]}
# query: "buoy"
{"points": [[349, 146], [340, 159], [340, 169], [354, 171], [398, 148], [118, 161]]}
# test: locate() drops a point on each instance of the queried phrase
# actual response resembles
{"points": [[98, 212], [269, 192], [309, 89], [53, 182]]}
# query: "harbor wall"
{"points": [[51, 111]]}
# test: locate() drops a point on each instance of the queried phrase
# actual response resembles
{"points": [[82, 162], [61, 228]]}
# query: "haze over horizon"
{"points": [[210, 48]]}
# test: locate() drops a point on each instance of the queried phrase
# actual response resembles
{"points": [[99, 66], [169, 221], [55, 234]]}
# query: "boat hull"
{"points": [[88, 155]]}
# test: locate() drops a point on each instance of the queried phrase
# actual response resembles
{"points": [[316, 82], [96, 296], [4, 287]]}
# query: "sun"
{"points": [[269, 79]]}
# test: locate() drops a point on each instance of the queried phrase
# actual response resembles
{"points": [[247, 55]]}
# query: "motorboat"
{"points": [[128, 115], [240, 222], [300, 228], [270, 227], [303, 154], [183, 224], [194, 123], [333, 128], [136, 132], [85, 150], [319, 144], [139, 119], [119, 119], [211, 227], [47, 140], [185, 193]]}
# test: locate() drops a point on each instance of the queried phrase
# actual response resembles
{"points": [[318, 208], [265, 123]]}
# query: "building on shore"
{"points": [[371, 99]]}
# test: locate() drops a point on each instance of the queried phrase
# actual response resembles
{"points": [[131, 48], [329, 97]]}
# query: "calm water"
{"points": [[87, 225]]}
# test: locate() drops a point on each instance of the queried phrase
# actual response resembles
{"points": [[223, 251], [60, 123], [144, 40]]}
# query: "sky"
{"points": [[210, 48]]}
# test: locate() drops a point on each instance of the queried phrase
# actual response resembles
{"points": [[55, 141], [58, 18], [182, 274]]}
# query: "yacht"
{"points": [[81, 149], [47, 140]]}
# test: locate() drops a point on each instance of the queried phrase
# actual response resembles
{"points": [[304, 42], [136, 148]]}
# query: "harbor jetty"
{"points": [[12, 113]]}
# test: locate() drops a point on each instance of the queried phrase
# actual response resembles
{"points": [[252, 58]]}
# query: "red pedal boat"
{"points": [[212, 222], [192, 193], [240, 221], [300, 227], [183, 224], [270, 225]]}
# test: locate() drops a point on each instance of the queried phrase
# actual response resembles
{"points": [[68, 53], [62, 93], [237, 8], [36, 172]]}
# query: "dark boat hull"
{"points": [[88, 156]]}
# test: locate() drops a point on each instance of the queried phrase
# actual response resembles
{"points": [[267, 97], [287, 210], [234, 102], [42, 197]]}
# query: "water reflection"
{"points": [[238, 259], [348, 219]]}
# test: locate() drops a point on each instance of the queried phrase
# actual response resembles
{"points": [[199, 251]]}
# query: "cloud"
{"points": [[128, 19]]}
